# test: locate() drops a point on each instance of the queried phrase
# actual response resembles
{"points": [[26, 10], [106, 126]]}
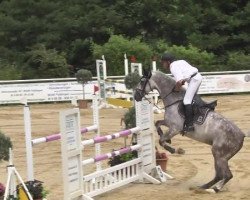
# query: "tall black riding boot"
{"points": [[189, 117]]}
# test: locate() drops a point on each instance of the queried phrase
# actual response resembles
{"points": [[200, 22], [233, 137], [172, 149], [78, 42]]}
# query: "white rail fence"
{"points": [[51, 90]]}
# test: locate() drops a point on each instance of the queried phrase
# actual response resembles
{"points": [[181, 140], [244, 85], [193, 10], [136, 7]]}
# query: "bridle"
{"points": [[143, 93]]}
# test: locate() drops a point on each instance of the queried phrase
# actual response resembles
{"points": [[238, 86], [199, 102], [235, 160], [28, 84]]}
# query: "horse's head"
{"points": [[161, 82], [144, 86]]}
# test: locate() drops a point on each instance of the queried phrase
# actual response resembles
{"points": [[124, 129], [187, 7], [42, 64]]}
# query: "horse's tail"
{"points": [[247, 134]]}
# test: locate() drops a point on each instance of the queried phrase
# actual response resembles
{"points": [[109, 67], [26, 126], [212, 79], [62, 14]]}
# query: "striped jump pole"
{"points": [[105, 138], [57, 136], [111, 155]]}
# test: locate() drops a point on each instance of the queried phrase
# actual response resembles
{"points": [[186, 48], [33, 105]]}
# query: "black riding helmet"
{"points": [[168, 57]]}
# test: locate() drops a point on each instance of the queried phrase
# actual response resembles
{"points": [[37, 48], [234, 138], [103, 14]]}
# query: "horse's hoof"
{"points": [[197, 190], [180, 151], [168, 141], [210, 191]]}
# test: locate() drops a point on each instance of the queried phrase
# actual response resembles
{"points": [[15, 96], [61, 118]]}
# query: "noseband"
{"points": [[142, 91]]}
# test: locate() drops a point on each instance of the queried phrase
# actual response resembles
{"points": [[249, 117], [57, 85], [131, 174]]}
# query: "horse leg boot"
{"points": [[189, 118]]}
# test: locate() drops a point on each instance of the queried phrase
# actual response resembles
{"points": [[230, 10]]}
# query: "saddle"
{"points": [[200, 109]]}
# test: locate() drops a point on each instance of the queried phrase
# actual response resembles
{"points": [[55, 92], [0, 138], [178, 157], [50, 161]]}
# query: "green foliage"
{"points": [[36, 189], [9, 71], [83, 76], [70, 28], [238, 61], [115, 49], [132, 80], [130, 118], [45, 63], [122, 158], [129, 156], [201, 59], [5, 144]]}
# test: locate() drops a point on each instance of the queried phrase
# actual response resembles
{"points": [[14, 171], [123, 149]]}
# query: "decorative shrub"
{"points": [[132, 80], [5, 144], [83, 76], [130, 118]]}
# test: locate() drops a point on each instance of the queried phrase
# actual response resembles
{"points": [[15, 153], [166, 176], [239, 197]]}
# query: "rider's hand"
{"points": [[178, 85]]}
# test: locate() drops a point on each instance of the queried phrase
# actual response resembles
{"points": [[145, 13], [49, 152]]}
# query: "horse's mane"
{"points": [[164, 80], [158, 75]]}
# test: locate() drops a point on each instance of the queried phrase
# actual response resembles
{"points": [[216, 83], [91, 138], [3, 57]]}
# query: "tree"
{"points": [[202, 59], [115, 49], [45, 63], [9, 71], [238, 61], [217, 27]]}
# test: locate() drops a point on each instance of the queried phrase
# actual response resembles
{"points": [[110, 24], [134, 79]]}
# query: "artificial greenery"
{"points": [[36, 189], [5, 144], [122, 158]]}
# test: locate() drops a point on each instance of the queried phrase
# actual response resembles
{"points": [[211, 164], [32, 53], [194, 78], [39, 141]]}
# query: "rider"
{"points": [[184, 72]]}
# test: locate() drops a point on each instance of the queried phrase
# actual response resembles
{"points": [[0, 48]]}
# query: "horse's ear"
{"points": [[147, 73]]}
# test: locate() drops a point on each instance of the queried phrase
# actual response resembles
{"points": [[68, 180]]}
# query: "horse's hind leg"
{"points": [[222, 153], [210, 183], [224, 172]]}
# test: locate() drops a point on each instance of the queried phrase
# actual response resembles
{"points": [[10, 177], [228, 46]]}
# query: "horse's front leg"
{"points": [[166, 138], [170, 134], [163, 137]]}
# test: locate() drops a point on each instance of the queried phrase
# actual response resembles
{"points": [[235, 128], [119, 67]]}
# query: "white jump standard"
{"points": [[101, 181], [30, 143]]}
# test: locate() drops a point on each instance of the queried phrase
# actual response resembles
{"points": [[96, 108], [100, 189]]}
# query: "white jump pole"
{"points": [[154, 65], [126, 69], [126, 64], [101, 69], [97, 131], [154, 69], [28, 140]]}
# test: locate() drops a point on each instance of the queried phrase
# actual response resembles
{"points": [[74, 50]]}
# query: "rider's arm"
{"points": [[179, 84], [176, 72]]}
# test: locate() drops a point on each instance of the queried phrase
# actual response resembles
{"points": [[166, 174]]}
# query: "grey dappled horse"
{"points": [[224, 136]]}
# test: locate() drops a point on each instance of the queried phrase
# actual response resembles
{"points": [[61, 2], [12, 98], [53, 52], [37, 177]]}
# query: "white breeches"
{"points": [[192, 89]]}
